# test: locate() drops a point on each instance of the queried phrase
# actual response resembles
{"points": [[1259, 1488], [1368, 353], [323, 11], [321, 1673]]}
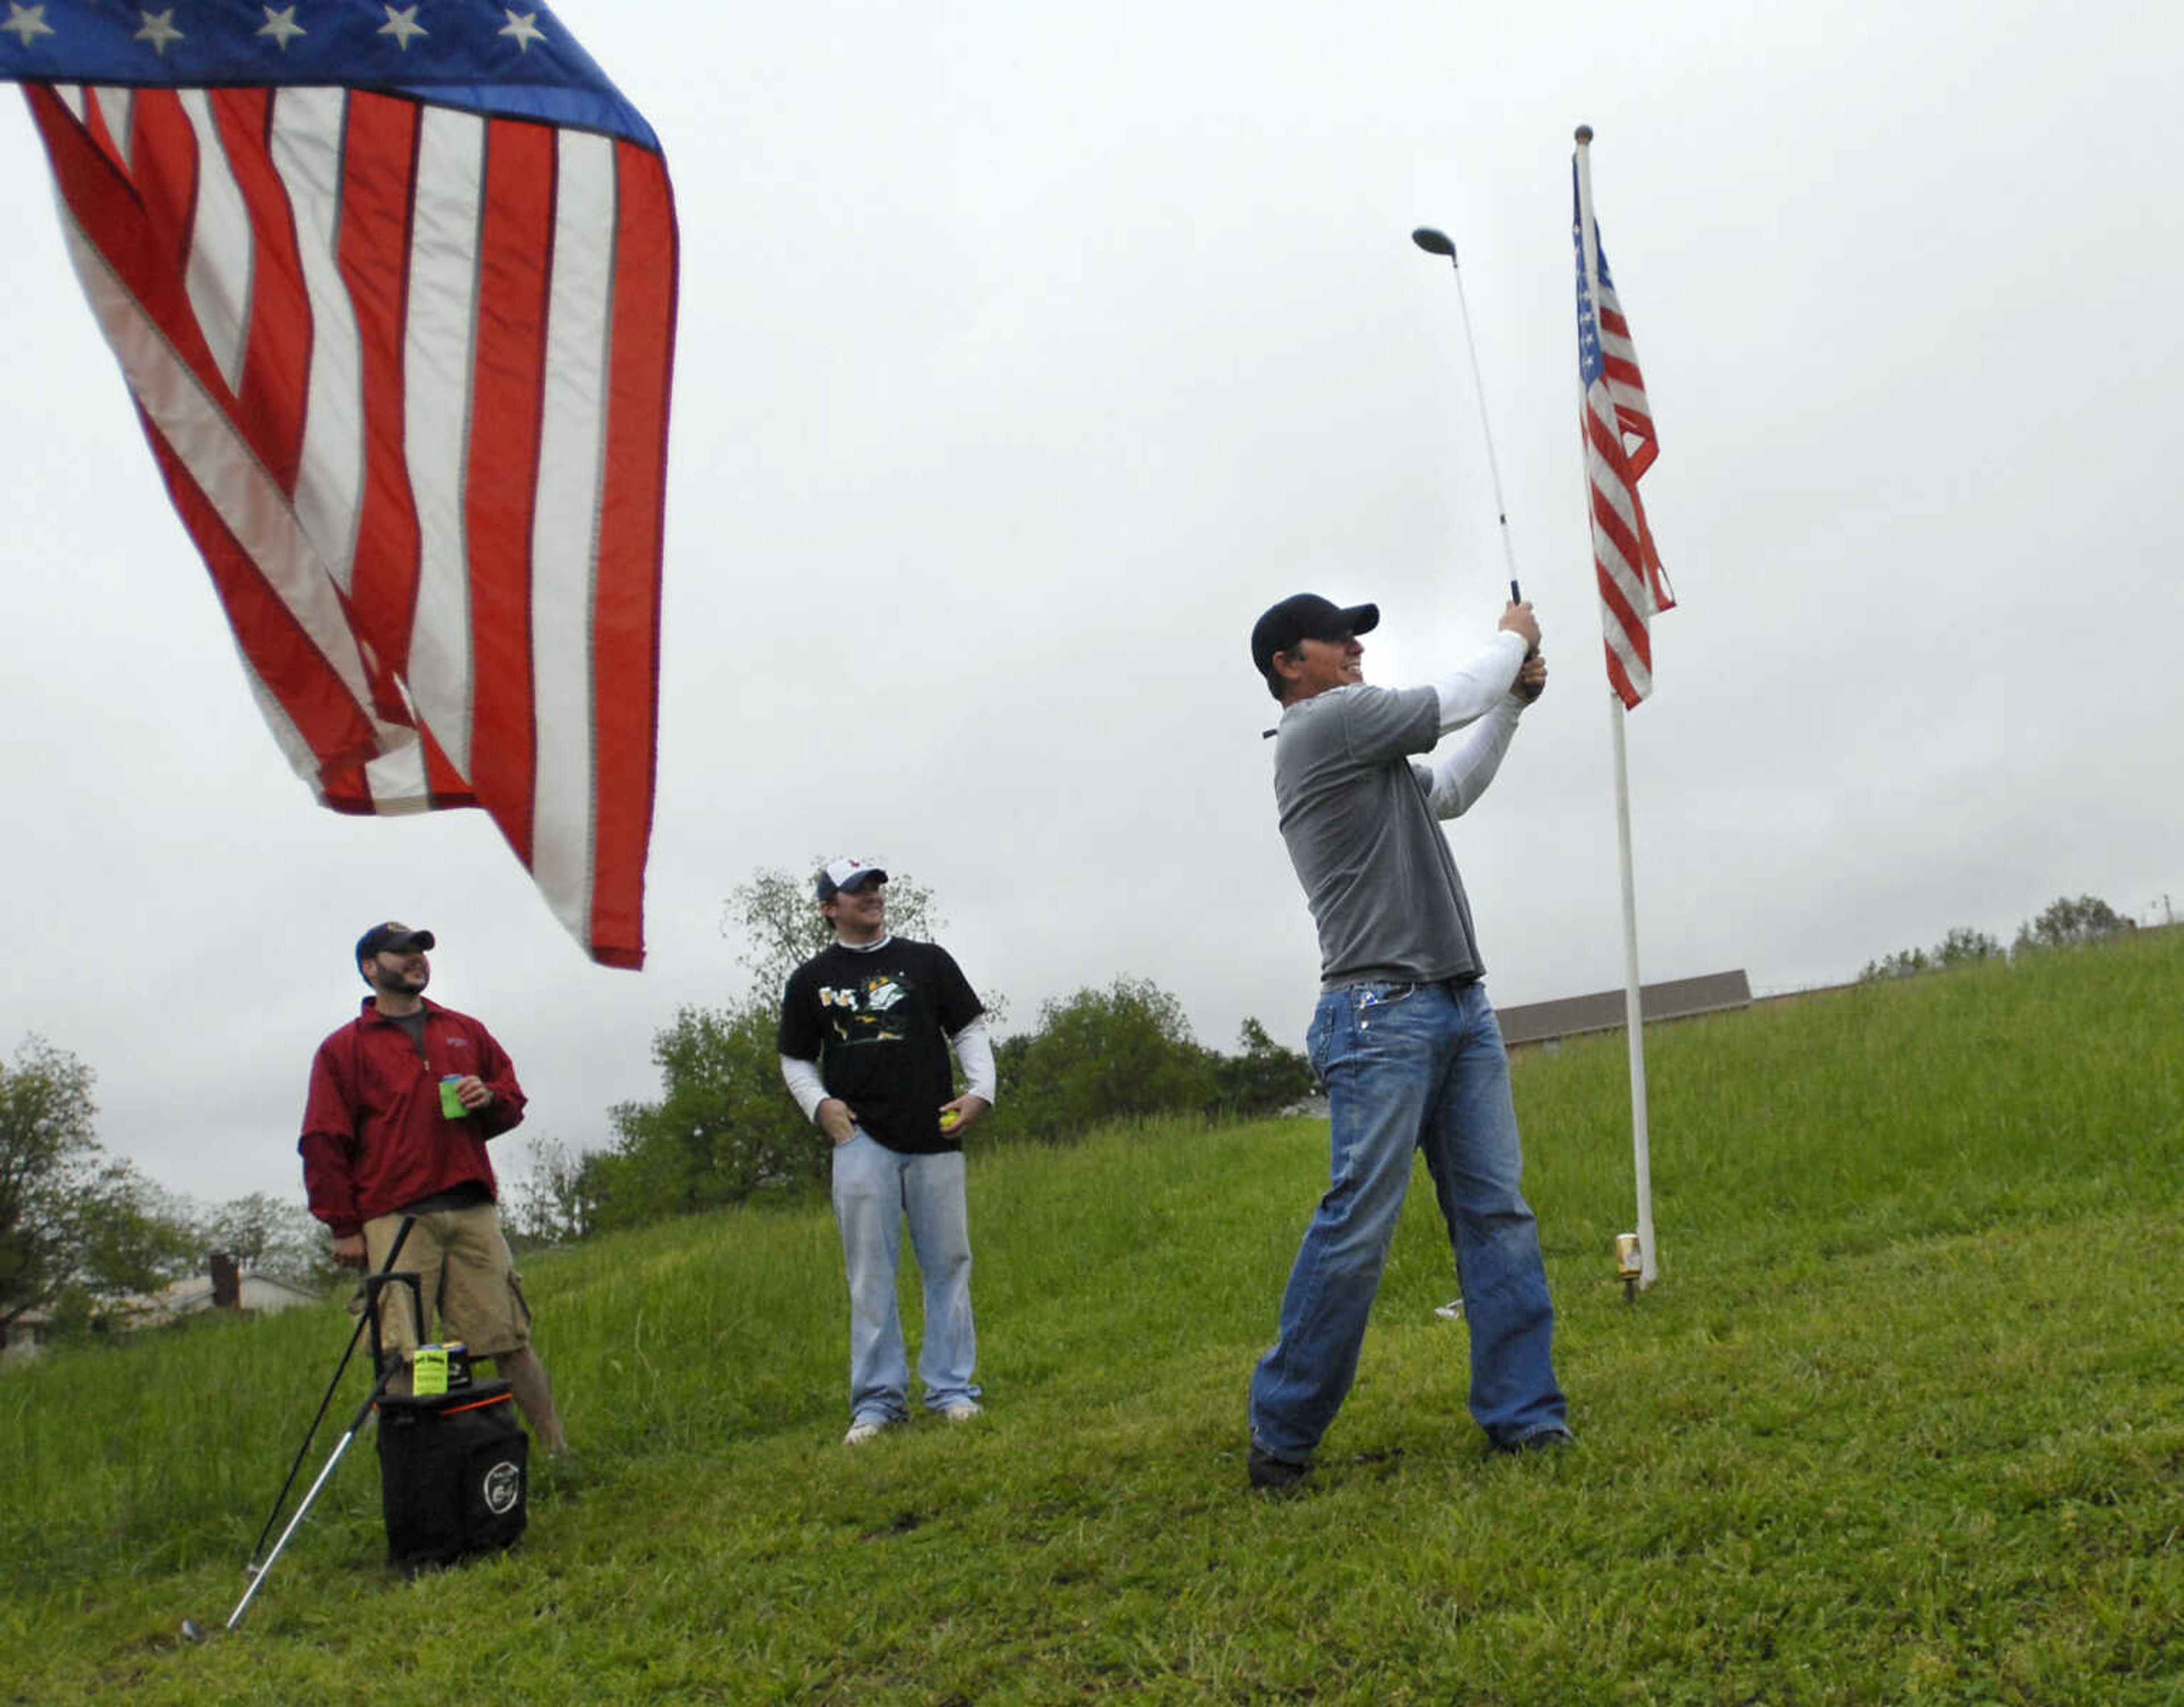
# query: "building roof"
{"points": [[1674, 998], [194, 1293]]}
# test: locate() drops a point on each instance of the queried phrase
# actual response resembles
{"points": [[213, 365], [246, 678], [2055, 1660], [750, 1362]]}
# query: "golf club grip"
{"points": [[1517, 597]]}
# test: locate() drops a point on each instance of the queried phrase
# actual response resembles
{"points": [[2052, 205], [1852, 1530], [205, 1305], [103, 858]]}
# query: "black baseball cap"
{"points": [[852, 875], [1307, 616], [391, 938]]}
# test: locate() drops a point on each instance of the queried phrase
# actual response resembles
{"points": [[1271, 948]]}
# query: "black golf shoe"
{"points": [[1551, 1438], [1279, 1476]]}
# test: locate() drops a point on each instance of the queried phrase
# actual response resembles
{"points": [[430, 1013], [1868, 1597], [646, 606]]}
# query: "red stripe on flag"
{"points": [[285, 658], [379, 165], [516, 248], [101, 134], [105, 205], [625, 610], [163, 167], [1630, 546], [346, 789], [442, 780], [1606, 517], [1636, 640], [271, 399]]}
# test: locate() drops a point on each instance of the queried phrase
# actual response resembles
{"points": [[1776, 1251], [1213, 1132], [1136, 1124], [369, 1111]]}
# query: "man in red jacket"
{"points": [[379, 1142]]}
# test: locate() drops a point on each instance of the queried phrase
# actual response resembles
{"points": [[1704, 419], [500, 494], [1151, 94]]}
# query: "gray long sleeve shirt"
{"points": [[1359, 818]]}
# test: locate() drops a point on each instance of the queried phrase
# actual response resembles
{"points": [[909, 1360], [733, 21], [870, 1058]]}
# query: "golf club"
{"points": [[196, 1633], [401, 1234], [1435, 243]]}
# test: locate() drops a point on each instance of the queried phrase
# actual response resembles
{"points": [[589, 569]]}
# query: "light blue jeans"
{"points": [[875, 1191], [1413, 1067]]}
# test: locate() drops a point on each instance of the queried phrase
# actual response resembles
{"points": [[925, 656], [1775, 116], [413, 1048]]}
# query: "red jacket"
{"points": [[374, 1137]]}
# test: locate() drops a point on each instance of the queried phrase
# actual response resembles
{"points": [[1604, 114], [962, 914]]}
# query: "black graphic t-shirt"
{"points": [[878, 1022]]}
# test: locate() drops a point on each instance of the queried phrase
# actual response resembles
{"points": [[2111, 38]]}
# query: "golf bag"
{"points": [[453, 1467]]}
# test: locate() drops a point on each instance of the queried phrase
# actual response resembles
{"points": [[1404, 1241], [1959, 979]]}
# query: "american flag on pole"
{"points": [[393, 291], [1618, 448]]}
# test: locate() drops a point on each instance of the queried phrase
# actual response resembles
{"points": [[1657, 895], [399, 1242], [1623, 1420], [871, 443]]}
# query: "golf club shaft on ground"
{"points": [[272, 1517], [258, 1576]]}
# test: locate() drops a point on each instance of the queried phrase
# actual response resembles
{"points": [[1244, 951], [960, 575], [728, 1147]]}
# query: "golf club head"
{"points": [[193, 1631], [1434, 242]]}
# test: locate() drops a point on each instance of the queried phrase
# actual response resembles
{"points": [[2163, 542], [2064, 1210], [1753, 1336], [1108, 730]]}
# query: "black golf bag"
{"points": [[454, 1466]]}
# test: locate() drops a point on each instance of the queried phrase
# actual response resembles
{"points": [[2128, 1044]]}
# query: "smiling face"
{"points": [[400, 974], [1314, 666], [858, 914]]}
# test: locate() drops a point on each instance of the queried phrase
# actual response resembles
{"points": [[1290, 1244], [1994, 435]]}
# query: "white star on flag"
{"points": [[402, 26], [28, 22], [158, 30], [281, 26], [525, 28]]}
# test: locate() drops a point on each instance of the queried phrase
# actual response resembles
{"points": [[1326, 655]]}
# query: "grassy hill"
{"points": [[1902, 1422]]}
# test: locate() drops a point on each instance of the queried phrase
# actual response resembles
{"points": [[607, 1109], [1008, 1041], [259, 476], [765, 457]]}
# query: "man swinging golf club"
{"points": [[402, 1100], [1403, 1036]]}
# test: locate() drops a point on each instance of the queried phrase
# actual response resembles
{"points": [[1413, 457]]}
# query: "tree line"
{"points": [[2065, 922], [85, 1237], [724, 1130]]}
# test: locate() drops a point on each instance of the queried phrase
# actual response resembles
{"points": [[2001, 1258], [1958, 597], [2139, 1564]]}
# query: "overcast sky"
{"points": [[1026, 354]]}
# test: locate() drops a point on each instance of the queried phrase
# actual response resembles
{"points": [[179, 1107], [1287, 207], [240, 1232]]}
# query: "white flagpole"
{"points": [[1633, 1007]]}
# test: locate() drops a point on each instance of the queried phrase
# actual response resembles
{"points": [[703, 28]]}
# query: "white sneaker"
{"points": [[860, 1433], [963, 1412]]}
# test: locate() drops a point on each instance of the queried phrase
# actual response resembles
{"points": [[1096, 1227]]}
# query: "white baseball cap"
{"points": [[852, 875]]}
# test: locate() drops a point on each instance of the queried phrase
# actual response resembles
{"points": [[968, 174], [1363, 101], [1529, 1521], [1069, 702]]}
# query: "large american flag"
{"points": [[393, 290], [1618, 448]]}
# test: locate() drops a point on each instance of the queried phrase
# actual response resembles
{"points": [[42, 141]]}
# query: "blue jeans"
{"points": [[875, 1190], [1411, 1067]]}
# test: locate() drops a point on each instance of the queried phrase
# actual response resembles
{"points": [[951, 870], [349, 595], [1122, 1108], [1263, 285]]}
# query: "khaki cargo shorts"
{"points": [[466, 1277]]}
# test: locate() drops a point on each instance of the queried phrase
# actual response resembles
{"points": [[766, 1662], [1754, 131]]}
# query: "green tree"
{"points": [[723, 1130], [1264, 1078], [1904, 963], [2064, 923], [1962, 947], [557, 1201], [1103, 1055], [78, 1230], [46, 1140], [1965, 947], [271, 1236]]}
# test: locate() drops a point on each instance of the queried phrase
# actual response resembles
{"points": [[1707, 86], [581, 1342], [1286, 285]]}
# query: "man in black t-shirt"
{"points": [[867, 1025]]}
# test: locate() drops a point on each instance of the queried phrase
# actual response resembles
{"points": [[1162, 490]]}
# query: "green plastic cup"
{"points": [[451, 1105]]}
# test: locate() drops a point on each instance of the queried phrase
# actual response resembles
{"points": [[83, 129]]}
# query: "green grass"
{"points": [[1902, 1423]]}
